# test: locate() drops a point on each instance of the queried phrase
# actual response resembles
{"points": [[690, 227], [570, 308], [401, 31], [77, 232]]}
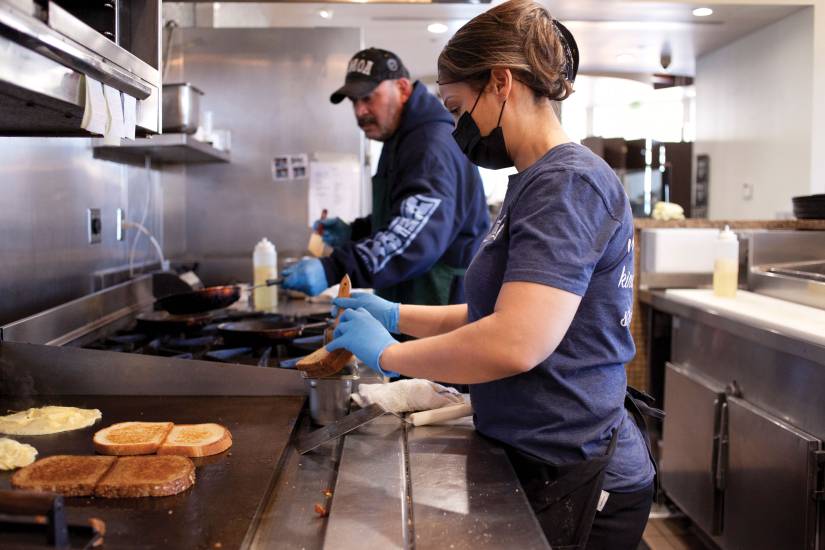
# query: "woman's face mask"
{"points": [[486, 151]]}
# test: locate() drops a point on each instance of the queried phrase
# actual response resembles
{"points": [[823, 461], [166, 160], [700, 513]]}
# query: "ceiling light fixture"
{"points": [[437, 28], [325, 13], [702, 12]]}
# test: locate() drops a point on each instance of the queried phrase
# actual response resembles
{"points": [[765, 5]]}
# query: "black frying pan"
{"points": [[206, 299], [271, 330]]}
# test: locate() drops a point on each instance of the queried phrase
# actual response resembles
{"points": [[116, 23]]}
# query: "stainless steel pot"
{"points": [[181, 108], [329, 398]]}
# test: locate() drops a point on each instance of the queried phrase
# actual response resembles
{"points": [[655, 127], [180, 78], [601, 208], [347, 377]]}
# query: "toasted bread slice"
{"points": [[322, 363], [147, 476], [71, 476], [131, 438], [196, 440]]}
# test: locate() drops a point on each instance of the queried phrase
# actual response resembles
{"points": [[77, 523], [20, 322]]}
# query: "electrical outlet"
{"points": [[93, 225], [120, 217], [747, 191]]}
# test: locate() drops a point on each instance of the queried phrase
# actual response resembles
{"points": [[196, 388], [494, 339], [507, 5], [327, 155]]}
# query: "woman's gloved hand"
{"points": [[362, 334], [385, 311], [336, 231], [307, 276]]}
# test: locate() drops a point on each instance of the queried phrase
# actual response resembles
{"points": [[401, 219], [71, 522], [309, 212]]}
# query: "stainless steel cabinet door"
{"points": [[693, 405], [769, 500]]}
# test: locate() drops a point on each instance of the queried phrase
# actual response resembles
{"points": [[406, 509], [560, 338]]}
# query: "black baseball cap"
{"points": [[366, 70]]}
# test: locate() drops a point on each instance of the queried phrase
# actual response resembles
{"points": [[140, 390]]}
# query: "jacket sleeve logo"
{"points": [[416, 211]]}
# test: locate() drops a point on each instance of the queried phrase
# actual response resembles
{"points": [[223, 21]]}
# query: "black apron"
{"points": [[565, 498], [432, 288]]}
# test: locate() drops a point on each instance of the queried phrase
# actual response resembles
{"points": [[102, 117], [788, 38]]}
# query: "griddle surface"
{"points": [[229, 489]]}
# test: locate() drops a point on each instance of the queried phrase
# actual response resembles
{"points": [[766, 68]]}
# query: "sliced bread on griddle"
{"points": [[71, 476], [147, 476], [131, 438], [196, 440]]}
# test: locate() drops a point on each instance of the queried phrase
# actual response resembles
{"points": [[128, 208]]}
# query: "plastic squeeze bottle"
{"points": [[726, 266], [265, 266], [317, 247]]}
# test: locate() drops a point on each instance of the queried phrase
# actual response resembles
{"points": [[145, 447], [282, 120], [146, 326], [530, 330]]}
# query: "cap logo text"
{"points": [[362, 66]]}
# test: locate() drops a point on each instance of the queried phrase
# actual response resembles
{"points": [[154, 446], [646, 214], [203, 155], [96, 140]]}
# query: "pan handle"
{"points": [[269, 282], [320, 324]]}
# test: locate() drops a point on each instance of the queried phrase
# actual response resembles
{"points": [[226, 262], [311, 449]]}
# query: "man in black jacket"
{"points": [[429, 213]]}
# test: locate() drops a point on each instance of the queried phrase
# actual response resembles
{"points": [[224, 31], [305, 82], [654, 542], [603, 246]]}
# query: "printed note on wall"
{"points": [[336, 187]]}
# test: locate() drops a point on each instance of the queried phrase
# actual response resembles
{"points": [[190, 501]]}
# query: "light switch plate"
{"points": [[94, 225], [747, 191]]}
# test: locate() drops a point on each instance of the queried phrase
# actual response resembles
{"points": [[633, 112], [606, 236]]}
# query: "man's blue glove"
{"points": [[362, 334], [385, 311], [306, 276], [336, 231]]}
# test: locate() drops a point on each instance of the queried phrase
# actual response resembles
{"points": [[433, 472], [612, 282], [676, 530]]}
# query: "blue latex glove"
{"points": [[306, 276], [385, 311], [362, 334], [336, 231]]}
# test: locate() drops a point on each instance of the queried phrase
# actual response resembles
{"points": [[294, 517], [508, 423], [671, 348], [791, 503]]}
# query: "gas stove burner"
{"points": [[205, 336]]}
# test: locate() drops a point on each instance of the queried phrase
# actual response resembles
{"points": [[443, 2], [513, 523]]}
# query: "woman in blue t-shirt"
{"points": [[545, 333]]}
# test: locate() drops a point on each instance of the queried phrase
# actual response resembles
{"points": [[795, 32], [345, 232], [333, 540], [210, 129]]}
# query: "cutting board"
{"points": [[794, 320]]}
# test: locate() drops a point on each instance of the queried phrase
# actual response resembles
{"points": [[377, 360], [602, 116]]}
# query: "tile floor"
{"points": [[671, 533]]}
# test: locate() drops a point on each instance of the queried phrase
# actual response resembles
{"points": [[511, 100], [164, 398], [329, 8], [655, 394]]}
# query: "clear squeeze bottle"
{"points": [[726, 266], [265, 266]]}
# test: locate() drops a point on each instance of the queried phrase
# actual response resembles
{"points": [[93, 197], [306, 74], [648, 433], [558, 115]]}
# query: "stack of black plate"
{"points": [[810, 207]]}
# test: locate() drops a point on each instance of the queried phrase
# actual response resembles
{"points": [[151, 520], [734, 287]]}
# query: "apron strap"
{"points": [[638, 404]]}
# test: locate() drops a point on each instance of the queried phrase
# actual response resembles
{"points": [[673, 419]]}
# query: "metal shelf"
{"points": [[162, 149]]}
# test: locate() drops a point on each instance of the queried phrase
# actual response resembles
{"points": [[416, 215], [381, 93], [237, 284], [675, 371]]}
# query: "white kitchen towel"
{"points": [[407, 395]]}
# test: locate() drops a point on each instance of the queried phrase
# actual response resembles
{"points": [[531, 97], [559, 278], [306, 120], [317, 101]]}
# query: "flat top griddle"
{"points": [[230, 488]]}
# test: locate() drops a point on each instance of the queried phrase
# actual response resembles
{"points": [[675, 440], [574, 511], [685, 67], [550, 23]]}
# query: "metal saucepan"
{"points": [[206, 299], [270, 330]]}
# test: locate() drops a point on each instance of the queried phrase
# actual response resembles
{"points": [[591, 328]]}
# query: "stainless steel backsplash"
{"points": [[47, 185], [271, 88]]}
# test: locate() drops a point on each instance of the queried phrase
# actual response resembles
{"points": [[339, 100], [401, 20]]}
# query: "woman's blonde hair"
{"points": [[519, 35]]}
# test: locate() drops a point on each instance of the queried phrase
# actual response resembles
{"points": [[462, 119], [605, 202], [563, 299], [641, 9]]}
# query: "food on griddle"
{"points": [[196, 440], [147, 476], [107, 476], [131, 438], [48, 420], [14, 454], [71, 476], [163, 438]]}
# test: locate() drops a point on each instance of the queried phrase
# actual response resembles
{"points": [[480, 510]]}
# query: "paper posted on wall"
{"points": [[336, 187], [287, 166], [114, 106], [95, 113], [129, 116]]}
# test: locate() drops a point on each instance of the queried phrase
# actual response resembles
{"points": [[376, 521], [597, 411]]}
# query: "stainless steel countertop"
{"points": [[391, 485], [658, 299]]}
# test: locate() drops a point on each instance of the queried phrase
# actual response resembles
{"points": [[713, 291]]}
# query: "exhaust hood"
{"points": [[48, 48]]}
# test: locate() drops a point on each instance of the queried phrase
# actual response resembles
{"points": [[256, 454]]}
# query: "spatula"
{"points": [[321, 362]]}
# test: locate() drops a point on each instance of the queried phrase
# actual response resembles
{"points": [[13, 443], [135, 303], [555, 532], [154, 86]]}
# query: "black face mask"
{"points": [[486, 151]]}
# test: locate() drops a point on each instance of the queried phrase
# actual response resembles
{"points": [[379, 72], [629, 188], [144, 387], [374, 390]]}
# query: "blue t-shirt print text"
{"points": [[626, 282]]}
